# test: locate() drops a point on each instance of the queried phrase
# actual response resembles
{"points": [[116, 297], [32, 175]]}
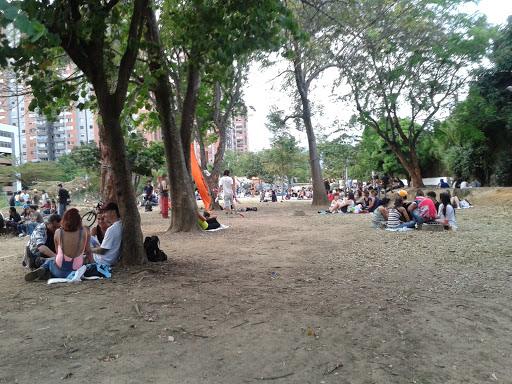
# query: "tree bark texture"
{"points": [[183, 204], [319, 195], [107, 189]]}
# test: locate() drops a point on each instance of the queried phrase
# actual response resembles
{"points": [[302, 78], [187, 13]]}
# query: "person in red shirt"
{"points": [[422, 208]]}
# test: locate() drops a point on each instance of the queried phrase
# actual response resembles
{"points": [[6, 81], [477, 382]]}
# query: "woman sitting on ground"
{"points": [[398, 216], [344, 206], [71, 242], [99, 230], [366, 200], [374, 203], [23, 224], [359, 197], [380, 215], [207, 222], [446, 212]]}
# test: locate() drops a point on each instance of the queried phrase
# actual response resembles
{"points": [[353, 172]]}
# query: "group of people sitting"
{"points": [[413, 214], [361, 202], [402, 213], [31, 215], [58, 246]]}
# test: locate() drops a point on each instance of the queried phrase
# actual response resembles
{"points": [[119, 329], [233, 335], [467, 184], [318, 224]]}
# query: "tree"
{"points": [[416, 56], [30, 173], [102, 39], [336, 154], [474, 140], [310, 53], [216, 117], [209, 37], [282, 158]]}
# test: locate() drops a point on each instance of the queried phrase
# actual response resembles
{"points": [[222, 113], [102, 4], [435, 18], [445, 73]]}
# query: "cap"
{"points": [[109, 207], [35, 190], [402, 193]]}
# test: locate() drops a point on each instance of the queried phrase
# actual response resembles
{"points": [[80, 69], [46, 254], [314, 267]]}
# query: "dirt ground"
{"points": [[277, 298]]}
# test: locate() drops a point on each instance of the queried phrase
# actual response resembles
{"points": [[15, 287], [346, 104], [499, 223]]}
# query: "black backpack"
{"points": [[153, 251]]}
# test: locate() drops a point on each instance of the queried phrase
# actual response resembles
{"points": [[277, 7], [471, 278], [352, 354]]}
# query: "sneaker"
{"points": [[38, 273], [22, 234]]}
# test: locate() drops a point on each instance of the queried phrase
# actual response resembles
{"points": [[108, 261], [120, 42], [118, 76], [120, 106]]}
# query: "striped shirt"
{"points": [[393, 218]]}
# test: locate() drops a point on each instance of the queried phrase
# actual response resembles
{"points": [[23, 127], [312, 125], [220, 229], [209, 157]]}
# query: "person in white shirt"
{"points": [[44, 197], [227, 185], [464, 184], [25, 196], [446, 213], [110, 249]]}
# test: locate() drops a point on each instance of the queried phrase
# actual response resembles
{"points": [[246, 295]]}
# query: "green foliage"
{"points": [[415, 57], [30, 173], [475, 139], [87, 155], [336, 154]]}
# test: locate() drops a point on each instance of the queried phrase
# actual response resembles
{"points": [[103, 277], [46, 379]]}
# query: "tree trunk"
{"points": [[136, 183], [319, 196], [189, 111], [183, 204], [122, 192], [412, 166], [107, 190]]}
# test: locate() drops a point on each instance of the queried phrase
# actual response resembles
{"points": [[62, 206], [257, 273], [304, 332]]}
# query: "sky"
{"points": [[263, 89]]}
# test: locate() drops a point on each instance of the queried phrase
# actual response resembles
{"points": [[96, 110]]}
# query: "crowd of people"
{"points": [[400, 213], [60, 244]]}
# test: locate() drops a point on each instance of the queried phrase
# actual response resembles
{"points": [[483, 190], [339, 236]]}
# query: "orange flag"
{"points": [[199, 179]]}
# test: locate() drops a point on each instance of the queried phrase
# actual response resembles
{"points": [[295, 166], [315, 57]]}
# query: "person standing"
{"points": [[63, 196], [327, 185], [25, 196], [44, 197], [36, 198], [164, 196], [227, 185], [148, 192]]}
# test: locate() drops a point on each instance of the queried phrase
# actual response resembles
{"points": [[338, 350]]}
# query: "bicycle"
{"points": [[89, 218]]}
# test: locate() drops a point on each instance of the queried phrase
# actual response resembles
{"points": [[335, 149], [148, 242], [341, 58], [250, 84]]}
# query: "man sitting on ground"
{"points": [[41, 244], [110, 249], [422, 209], [35, 219]]}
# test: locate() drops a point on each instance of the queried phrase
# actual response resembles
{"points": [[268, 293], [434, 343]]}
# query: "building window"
{"points": [[70, 135]]}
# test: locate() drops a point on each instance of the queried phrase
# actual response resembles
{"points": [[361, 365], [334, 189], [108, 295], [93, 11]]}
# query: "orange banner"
{"points": [[199, 179]]}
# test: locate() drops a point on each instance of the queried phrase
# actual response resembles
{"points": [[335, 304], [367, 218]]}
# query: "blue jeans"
{"points": [[410, 224], [57, 271], [30, 227], [62, 209], [21, 228], [417, 216]]}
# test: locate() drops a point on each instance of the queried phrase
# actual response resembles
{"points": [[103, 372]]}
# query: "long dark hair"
{"points": [[399, 202], [445, 200]]}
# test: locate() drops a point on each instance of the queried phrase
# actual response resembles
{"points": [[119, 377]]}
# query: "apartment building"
{"points": [[38, 138], [237, 138]]}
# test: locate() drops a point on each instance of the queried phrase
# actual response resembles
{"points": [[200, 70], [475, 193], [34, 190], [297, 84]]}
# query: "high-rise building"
{"points": [[40, 139], [237, 138]]}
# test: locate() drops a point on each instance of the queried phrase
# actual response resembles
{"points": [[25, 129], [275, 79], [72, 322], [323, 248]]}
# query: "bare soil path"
{"points": [[276, 298]]}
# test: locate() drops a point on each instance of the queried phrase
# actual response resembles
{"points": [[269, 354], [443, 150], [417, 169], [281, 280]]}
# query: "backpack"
{"points": [[153, 252]]}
